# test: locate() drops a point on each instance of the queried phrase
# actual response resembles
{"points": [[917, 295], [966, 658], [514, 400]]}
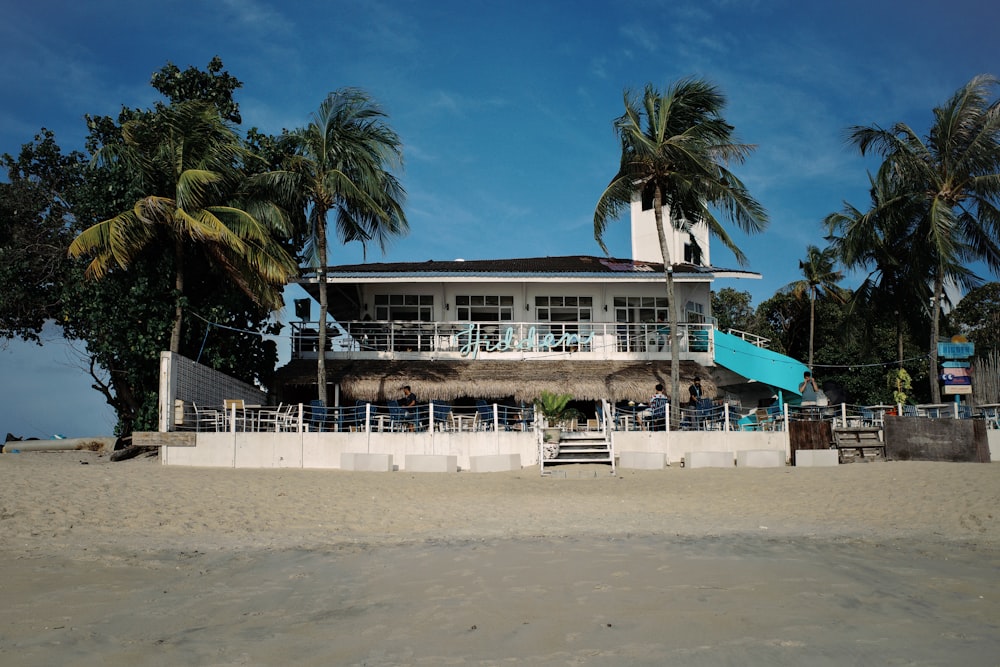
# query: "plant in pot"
{"points": [[554, 408]]}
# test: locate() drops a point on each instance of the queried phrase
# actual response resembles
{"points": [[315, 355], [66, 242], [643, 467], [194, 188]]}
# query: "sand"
{"points": [[133, 563]]}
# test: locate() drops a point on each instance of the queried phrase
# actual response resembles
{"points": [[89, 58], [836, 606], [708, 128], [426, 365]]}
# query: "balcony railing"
{"points": [[470, 340]]}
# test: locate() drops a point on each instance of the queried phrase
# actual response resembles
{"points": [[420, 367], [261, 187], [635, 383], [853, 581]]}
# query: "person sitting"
{"points": [[655, 413]]}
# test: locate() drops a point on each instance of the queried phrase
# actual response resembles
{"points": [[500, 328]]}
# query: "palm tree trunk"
{"points": [[812, 322], [175, 332], [672, 317], [932, 367], [323, 309]]}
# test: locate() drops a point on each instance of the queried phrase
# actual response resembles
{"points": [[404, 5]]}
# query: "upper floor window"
{"points": [[404, 307], [564, 308], [484, 308]]}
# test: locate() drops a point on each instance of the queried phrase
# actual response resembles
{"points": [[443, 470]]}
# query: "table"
{"points": [[933, 410], [463, 422], [631, 416]]}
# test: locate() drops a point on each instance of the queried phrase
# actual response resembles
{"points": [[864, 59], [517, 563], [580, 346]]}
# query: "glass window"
{"points": [[484, 308]]}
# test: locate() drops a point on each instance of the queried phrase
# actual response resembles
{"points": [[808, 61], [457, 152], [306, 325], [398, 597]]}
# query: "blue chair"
{"points": [[441, 414], [317, 415], [484, 415], [658, 414], [748, 423]]}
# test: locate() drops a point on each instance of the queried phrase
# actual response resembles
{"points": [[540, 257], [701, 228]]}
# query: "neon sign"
{"points": [[471, 341]]}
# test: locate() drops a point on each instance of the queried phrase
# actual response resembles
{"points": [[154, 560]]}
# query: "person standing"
{"points": [[808, 389], [694, 391], [409, 404]]}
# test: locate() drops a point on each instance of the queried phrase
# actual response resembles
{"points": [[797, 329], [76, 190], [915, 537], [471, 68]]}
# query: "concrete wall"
{"points": [[323, 450], [676, 443]]}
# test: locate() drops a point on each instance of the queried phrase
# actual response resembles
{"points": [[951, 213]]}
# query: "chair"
{"points": [[748, 423], [658, 414], [910, 411], [400, 418], [318, 415], [441, 415], [484, 416], [207, 417], [280, 419], [235, 413]]}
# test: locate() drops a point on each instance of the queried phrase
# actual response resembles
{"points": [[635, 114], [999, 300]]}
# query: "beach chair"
{"points": [[657, 419]]}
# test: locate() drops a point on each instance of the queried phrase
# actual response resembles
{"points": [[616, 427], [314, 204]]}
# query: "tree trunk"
{"points": [[175, 333], [812, 323], [323, 308], [932, 364], [672, 316]]}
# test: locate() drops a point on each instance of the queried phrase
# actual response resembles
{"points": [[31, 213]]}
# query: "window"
{"points": [[404, 307], [568, 315], [484, 308]]}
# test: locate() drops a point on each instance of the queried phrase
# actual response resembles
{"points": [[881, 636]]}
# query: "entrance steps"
{"points": [[578, 447]]}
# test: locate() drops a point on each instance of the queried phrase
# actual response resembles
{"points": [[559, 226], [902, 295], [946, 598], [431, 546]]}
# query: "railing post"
{"points": [[430, 417], [368, 417], [496, 418], [843, 415]]}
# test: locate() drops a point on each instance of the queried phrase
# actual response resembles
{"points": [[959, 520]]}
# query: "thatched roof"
{"points": [[378, 380]]}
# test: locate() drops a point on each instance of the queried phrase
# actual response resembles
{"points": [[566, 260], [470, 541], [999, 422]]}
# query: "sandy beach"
{"points": [[133, 563]]}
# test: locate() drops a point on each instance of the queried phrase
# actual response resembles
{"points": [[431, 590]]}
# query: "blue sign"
{"points": [[956, 350]]}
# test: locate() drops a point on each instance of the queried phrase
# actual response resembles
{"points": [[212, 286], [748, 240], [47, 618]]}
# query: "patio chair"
{"points": [[235, 414], [320, 417], [484, 416], [748, 423], [207, 419], [658, 414], [441, 415], [280, 419], [910, 411]]}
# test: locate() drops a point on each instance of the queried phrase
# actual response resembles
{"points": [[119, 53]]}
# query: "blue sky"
{"points": [[505, 111]]}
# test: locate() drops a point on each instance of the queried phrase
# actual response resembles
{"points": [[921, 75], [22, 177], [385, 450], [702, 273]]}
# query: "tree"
{"points": [[978, 318], [344, 160], [955, 174], [676, 146], [185, 159], [879, 241], [820, 279], [732, 310], [34, 231]]}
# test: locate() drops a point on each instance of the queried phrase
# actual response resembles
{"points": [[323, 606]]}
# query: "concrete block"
{"points": [[709, 459], [760, 458], [431, 463], [642, 460], [366, 462], [495, 463], [816, 458]]}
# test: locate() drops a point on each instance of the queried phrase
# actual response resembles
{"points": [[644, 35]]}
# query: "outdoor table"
{"points": [[933, 409], [991, 412]]}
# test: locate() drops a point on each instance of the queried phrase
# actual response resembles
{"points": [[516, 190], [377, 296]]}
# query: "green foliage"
{"points": [[977, 317], [124, 319], [899, 382], [555, 407], [732, 309]]}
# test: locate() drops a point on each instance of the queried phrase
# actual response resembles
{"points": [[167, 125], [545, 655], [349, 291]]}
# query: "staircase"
{"points": [[578, 447]]}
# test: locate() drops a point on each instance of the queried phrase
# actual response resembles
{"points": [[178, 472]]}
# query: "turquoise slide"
{"points": [[758, 364]]}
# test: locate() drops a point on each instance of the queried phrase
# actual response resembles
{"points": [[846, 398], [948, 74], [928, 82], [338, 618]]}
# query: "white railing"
{"points": [[600, 340], [708, 415]]}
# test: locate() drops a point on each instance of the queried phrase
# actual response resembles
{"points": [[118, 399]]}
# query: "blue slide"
{"points": [[757, 363]]}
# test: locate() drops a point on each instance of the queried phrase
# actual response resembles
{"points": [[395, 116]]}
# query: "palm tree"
{"points": [[879, 241], [676, 146], [820, 280], [187, 161], [955, 174], [344, 159]]}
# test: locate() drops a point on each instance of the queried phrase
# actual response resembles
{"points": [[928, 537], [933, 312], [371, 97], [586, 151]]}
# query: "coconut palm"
{"points": [[955, 174], [820, 279], [187, 161], [344, 159], [676, 146]]}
